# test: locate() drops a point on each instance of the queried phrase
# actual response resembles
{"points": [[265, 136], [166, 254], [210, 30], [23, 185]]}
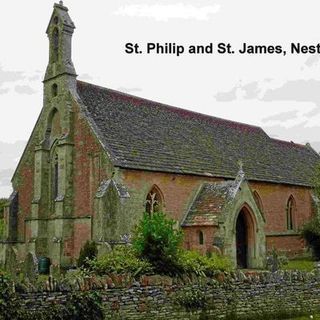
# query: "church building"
{"points": [[97, 159]]}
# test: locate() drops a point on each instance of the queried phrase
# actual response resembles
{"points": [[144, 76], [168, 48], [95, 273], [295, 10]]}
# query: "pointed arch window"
{"points": [[54, 90], [56, 20], [55, 177], [290, 213], [154, 201], [201, 237], [54, 129], [55, 45], [258, 200], [13, 217]]}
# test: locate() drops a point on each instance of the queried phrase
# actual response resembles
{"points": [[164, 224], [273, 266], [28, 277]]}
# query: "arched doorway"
{"points": [[242, 241], [242, 231], [245, 238]]}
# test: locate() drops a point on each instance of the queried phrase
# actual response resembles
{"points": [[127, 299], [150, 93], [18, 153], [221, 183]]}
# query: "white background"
{"points": [[280, 94]]}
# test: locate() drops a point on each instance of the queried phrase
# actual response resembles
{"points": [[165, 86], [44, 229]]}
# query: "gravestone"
{"points": [[103, 248], [31, 266], [11, 263]]}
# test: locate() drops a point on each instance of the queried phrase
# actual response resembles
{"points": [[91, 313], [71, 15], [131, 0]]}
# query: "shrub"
{"points": [[194, 262], [157, 240], [311, 233], [275, 261], [122, 259], [8, 303], [88, 252]]}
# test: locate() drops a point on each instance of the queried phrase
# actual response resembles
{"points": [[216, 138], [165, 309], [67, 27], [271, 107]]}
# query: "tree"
{"points": [[158, 241], [316, 181], [311, 233], [3, 203], [311, 229], [88, 252]]}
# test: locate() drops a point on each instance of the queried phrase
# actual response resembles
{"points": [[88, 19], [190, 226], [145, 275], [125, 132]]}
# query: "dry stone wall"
{"points": [[156, 297]]}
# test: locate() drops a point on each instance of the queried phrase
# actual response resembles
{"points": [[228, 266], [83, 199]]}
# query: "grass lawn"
{"points": [[300, 264], [315, 317]]}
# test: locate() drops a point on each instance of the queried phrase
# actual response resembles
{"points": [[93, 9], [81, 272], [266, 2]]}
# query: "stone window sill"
{"points": [[283, 233]]}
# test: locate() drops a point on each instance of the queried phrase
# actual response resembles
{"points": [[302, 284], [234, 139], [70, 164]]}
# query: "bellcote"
{"points": [[59, 31]]}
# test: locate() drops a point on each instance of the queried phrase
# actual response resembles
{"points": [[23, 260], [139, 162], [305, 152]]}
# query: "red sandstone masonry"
{"points": [[86, 148], [88, 173], [25, 190], [82, 233], [178, 192], [291, 245], [274, 199], [191, 240], [25, 198]]}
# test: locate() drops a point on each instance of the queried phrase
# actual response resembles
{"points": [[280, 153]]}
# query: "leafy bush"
{"points": [[88, 252], [122, 259], [157, 240], [283, 260], [275, 261], [8, 309], [194, 262], [311, 233]]}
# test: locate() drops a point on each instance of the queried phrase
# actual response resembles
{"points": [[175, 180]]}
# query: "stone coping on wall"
{"points": [[58, 218], [11, 241], [219, 279]]}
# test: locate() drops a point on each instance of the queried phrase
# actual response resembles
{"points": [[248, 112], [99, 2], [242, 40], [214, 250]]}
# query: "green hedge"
{"points": [[311, 233]]}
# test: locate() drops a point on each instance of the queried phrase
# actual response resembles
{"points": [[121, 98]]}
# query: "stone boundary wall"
{"points": [[156, 297]]}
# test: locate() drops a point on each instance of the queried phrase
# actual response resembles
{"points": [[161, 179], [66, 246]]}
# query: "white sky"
{"points": [[281, 94]]}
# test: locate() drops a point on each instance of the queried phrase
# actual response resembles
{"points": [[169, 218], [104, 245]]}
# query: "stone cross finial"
{"points": [[61, 2]]}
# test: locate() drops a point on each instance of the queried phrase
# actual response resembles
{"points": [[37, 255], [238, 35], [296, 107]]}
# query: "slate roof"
{"points": [[143, 134], [209, 203]]}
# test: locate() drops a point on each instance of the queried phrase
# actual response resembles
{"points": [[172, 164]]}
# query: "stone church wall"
{"points": [[90, 166], [191, 240], [179, 191], [274, 198]]}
